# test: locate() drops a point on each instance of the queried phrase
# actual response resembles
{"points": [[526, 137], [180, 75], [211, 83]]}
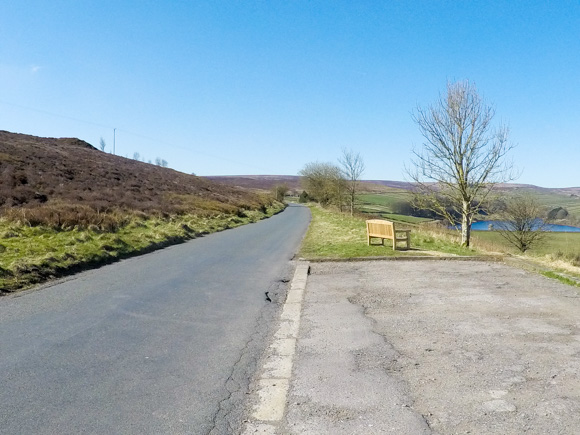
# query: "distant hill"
{"points": [[267, 182], [37, 171], [394, 184]]}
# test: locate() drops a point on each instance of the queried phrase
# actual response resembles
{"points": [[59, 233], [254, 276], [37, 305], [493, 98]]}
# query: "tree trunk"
{"points": [[465, 224]]}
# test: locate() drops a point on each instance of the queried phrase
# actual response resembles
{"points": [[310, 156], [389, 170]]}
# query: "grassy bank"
{"points": [[337, 235], [334, 235], [33, 254]]}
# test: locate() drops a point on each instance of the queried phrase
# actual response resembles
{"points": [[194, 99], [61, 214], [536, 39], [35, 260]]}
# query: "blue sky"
{"points": [[264, 87]]}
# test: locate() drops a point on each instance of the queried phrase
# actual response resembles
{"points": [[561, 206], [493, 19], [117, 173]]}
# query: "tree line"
{"points": [[136, 156], [334, 184]]}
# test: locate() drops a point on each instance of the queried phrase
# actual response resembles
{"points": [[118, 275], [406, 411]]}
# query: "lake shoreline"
{"points": [[485, 226]]}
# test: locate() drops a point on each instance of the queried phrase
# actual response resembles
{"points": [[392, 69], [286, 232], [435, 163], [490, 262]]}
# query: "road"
{"points": [[161, 343]]}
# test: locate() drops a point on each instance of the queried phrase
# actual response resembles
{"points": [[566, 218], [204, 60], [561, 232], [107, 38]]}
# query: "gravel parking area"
{"points": [[435, 347]]}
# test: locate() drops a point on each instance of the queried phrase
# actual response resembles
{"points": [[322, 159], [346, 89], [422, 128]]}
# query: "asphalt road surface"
{"points": [[162, 343]]}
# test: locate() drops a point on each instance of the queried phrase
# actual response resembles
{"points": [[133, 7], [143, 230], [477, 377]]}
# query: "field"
{"points": [[390, 205], [384, 201]]}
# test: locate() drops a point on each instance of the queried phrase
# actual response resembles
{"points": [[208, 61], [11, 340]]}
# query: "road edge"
{"points": [[274, 382]]}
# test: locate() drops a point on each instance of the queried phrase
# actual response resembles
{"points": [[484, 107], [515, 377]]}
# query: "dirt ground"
{"points": [[436, 347]]}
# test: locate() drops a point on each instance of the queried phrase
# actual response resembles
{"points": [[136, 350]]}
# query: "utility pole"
{"points": [[114, 136]]}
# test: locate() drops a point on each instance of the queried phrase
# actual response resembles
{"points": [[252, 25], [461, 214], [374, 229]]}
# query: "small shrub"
{"points": [[303, 198], [558, 213]]}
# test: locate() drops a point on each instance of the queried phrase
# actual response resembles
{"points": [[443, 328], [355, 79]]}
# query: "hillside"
{"points": [[267, 182], [381, 195], [66, 206], [41, 172]]}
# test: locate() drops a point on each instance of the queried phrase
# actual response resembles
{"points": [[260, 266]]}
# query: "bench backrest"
{"points": [[380, 228]]}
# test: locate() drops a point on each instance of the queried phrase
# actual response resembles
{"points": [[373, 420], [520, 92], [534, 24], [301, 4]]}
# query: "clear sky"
{"points": [[264, 87]]}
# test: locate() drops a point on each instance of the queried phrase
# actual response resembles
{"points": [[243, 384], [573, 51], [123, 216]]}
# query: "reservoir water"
{"points": [[484, 226]]}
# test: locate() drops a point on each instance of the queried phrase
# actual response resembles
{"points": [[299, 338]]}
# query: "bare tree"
{"points": [[161, 162], [523, 222], [136, 156], [462, 158], [102, 144], [324, 183], [352, 166]]}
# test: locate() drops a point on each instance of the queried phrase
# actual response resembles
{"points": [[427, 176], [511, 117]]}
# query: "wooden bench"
{"points": [[386, 230]]}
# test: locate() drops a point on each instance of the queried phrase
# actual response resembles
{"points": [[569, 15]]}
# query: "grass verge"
{"points": [[33, 254], [339, 236], [561, 278]]}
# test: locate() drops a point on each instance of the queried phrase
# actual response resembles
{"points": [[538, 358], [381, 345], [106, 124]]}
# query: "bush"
{"points": [[558, 213], [402, 207]]}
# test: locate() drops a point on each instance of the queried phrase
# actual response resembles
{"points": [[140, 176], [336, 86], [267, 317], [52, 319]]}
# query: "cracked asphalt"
{"points": [[448, 347]]}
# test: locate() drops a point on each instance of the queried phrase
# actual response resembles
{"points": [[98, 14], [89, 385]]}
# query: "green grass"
{"points": [[385, 199], [30, 255], [561, 278], [386, 205], [338, 235]]}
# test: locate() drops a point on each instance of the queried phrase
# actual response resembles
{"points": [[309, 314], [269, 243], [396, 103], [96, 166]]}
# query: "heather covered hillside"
{"points": [[44, 177]]}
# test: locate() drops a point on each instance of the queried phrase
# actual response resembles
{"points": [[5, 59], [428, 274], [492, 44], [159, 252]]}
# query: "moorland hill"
{"points": [[43, 176]]}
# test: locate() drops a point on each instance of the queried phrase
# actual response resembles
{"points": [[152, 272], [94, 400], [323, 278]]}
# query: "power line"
{"points": [[46, 112]]}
